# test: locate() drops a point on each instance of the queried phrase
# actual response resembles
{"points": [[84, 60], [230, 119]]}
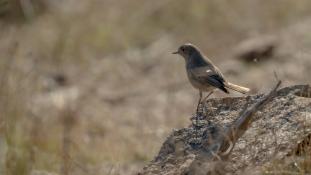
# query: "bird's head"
{"points": [[187, 50]]}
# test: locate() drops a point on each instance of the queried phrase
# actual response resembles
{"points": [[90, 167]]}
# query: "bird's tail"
{"points": [[237, 88]]}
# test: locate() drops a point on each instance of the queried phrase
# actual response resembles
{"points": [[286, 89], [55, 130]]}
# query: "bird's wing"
{"points": [[209, 75], [202, 71]]}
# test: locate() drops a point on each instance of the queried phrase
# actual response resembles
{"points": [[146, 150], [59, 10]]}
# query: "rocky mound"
{"points": [[231, 135]]}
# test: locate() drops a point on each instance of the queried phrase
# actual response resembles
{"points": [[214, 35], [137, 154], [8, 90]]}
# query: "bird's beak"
{"points": [[175, 52]]}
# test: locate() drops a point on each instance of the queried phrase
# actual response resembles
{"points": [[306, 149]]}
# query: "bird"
{"points": [[203, 74]]}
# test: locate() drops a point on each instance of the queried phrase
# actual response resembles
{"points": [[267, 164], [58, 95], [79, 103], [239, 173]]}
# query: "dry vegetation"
{"points": [[90, 87]]}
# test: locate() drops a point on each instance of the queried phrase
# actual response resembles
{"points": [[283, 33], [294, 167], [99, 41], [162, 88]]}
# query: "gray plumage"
{"points": [[203, 74]]}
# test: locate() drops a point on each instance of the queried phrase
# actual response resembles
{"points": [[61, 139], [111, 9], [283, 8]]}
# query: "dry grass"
{"points": [[89, 87], [299, 162]]}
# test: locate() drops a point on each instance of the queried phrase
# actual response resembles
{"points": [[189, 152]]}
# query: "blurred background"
{"points": [[91, 87]]}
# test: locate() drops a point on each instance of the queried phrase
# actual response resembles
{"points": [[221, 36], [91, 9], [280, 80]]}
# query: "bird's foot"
{"points": [[199, 108]]}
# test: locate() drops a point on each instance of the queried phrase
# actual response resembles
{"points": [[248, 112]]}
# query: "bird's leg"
{"points": [[200, 98], [205, 98], [197, 114]]}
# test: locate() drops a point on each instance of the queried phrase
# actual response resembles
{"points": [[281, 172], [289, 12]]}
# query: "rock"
{"points": [[277, 130], [256, 49]]}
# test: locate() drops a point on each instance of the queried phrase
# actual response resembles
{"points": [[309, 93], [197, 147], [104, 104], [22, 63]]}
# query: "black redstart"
{"points": [[203, 74]]}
